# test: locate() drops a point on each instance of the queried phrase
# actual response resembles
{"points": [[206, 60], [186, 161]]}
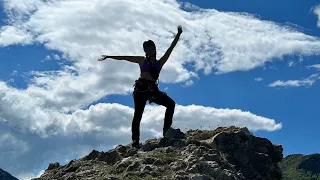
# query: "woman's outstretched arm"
{"points": [[165, 57], [134, 59]]}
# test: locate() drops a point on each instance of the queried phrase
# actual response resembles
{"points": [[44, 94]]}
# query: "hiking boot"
{"points": [[163, 141], [174, 133]]}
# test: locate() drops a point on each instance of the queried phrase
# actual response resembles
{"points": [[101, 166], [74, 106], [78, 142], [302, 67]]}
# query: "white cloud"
{"points": [[28, 175], [219, 41], [82, 30], [296, 83], [13, 35], [291, 64], [211, 40], [43, 132], [315, 66], [56, 57], [14, 73], [258, 79], [189, 7], [188, 83], [316, 10]]}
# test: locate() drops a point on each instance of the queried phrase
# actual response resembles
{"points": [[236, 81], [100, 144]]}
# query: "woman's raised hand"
{"points": [[103, 58], [180, 29]]}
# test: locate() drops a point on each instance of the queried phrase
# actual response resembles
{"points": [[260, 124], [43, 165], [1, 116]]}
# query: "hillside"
{"points": [[301, 167], [226, 153], [6, 176]]}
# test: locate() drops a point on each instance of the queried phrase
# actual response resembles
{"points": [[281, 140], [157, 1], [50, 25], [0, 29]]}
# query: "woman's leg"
{"points": [[140, 99], [163, 99]]}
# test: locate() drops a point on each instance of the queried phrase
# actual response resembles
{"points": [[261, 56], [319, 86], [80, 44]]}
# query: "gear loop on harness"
{"points": [[146, 86]]}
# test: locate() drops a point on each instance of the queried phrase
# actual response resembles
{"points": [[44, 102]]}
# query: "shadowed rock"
{"points": [[226, 153]]}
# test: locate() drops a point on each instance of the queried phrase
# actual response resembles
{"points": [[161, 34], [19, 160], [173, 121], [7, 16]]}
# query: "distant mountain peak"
{"points": [[6, 176], [311, 164]]}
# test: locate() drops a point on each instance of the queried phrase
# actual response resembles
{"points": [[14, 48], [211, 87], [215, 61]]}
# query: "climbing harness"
{"points": [[146, 86]]}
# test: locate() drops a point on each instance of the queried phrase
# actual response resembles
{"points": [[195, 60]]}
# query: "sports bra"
{"points": [[153, 68]]}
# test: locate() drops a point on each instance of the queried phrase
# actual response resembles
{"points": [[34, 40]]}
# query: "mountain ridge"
{"points": [[4, 175], [301, 167], [224, 153]]}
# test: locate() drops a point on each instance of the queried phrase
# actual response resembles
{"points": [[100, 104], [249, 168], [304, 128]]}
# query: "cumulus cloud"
{"points": [[43, 136], [314, 66], [56, 57], [14, 73], [316, 10], [50, 117], [212, 41], [296, 83], [29, 175], [188, 83], [13, 35]]}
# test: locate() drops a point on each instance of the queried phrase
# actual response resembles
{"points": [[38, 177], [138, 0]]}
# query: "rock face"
{"points": [[6, 176], [226, 153]]}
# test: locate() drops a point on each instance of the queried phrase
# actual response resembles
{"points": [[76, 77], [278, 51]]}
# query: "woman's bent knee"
{"points": [[172, 104]]}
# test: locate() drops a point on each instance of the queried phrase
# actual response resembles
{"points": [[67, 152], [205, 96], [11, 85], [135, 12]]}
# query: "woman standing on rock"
{"points": [[146, 87]]}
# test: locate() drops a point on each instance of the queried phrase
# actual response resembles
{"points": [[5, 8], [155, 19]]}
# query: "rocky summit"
{"points": [[226, 153]]}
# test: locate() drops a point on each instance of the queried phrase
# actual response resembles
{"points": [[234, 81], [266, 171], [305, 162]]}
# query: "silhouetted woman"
{"points": [[146, 87]]}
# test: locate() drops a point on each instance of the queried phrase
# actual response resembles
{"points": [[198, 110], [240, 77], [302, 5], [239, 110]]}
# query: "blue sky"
{"points": [[296, 108], [49, 74]]}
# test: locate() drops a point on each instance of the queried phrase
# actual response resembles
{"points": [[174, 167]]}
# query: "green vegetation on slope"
{"points": [[300, 167]]}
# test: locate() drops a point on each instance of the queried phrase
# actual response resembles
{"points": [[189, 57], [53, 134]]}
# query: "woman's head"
{"points": [[149, 48]]}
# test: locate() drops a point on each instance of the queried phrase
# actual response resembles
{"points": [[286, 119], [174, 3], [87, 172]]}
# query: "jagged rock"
{"points": [[70, 176], [175, 134], [193, 168], [123, 164], [92, 155], [226, 153], [182, 173], [158, 162], [200, 177], [150, 145], [146, 168], [133, 166], [53, 166], [207, 167], [149, 160], [111, 157], [111, 178], [177, 165], [210, 157], [227, 175], [121, 149], [191, 159], [168, 149], [193, 141], [181, 177], [252, 155], [190, 148], [131, 152], [72, 166], [174, 143]]}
